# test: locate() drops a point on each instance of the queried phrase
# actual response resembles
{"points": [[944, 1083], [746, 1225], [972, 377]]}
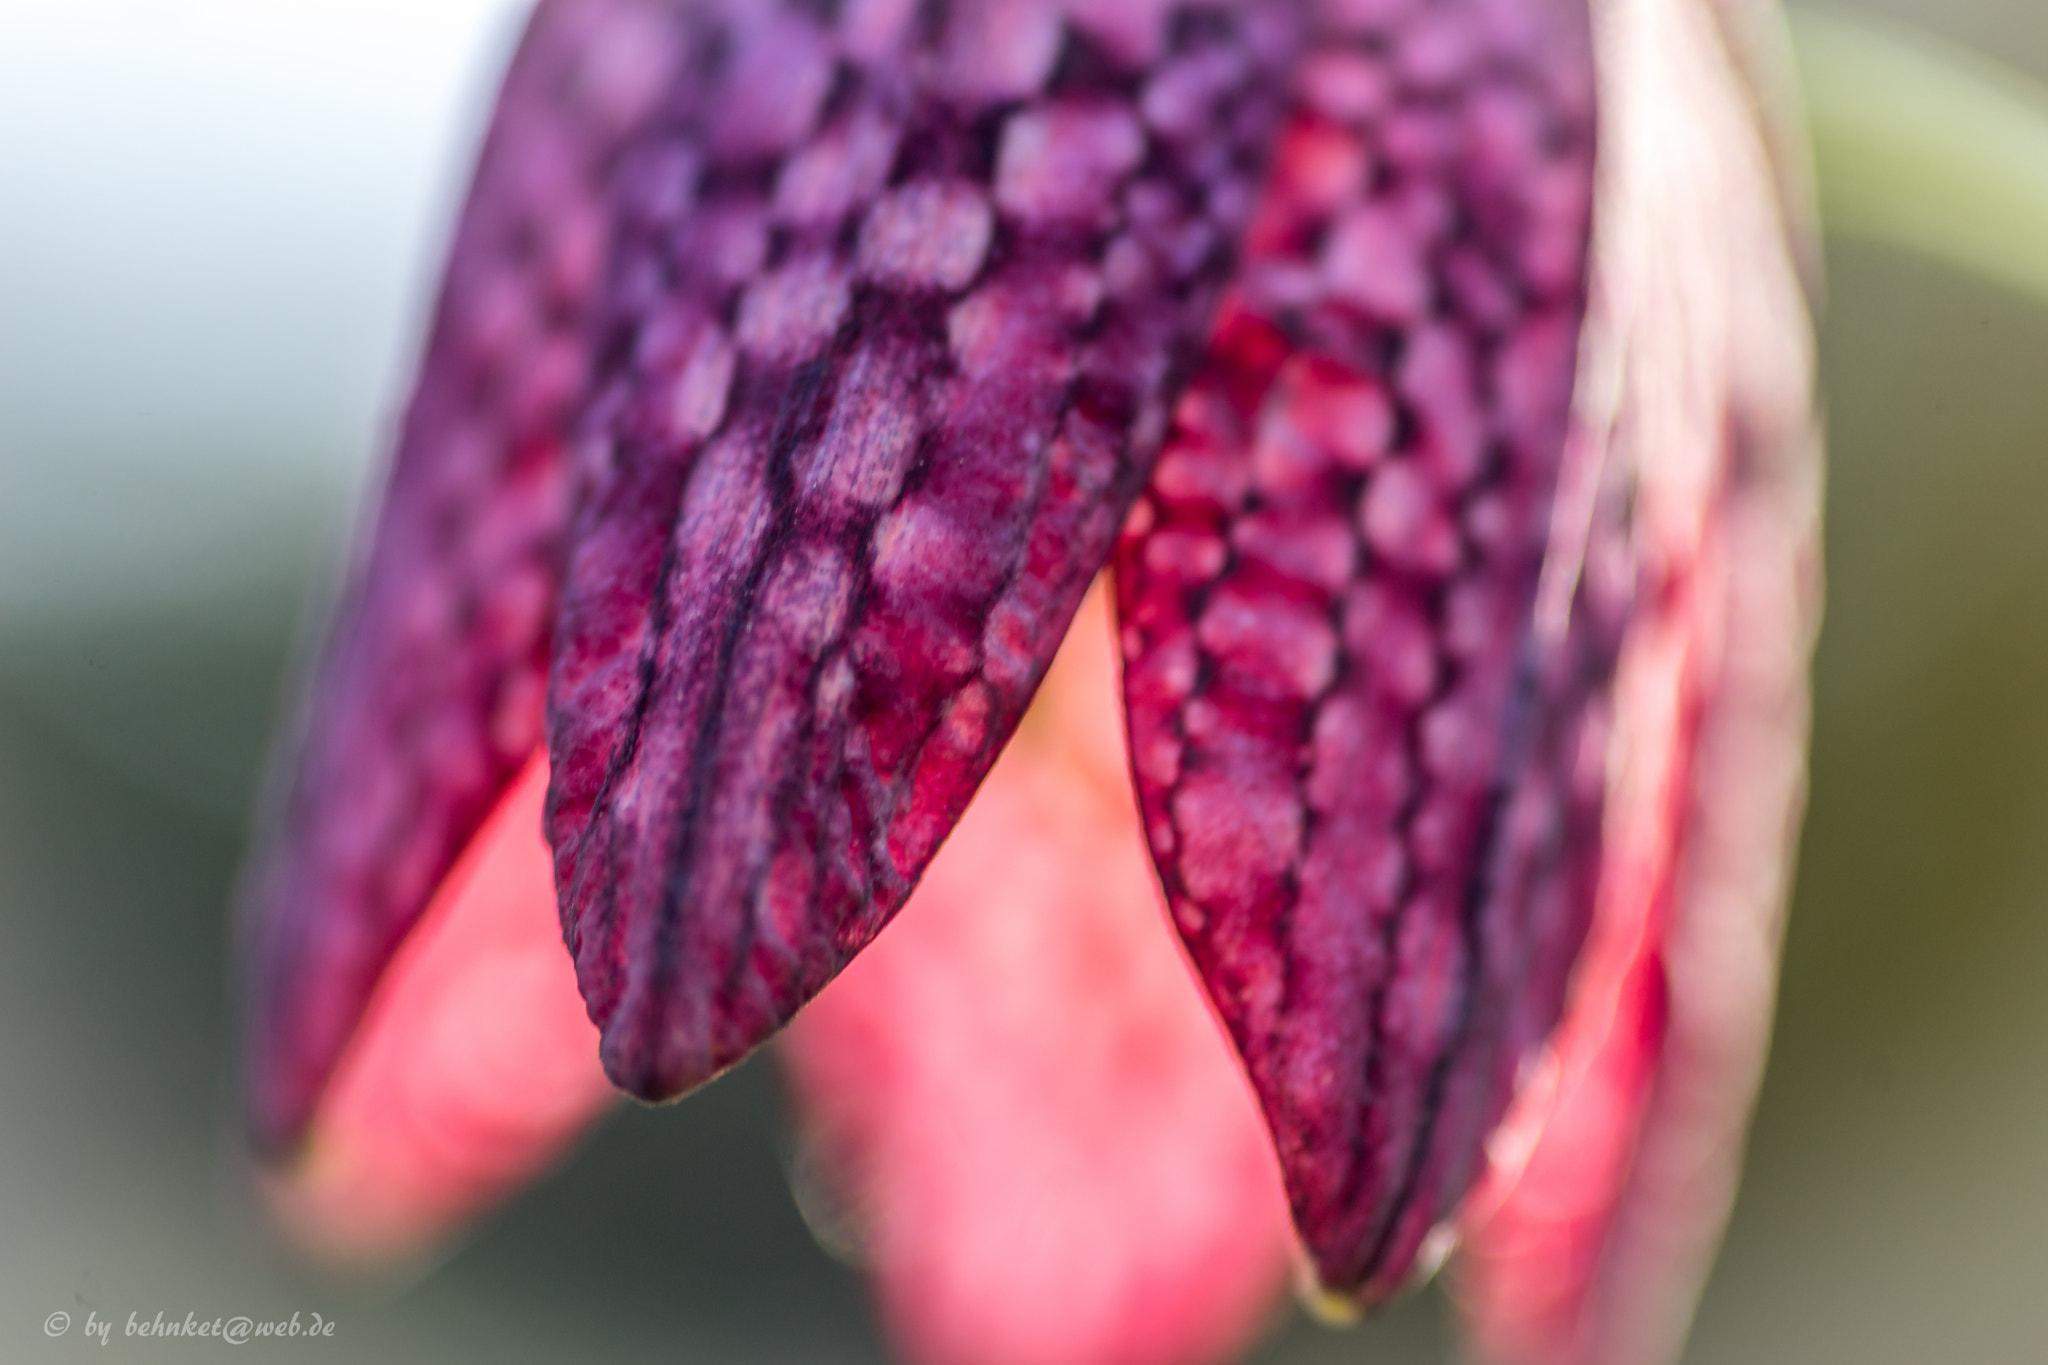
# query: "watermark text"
{"points": [[238, 1330]]}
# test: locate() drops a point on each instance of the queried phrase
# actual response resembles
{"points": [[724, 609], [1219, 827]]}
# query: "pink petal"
{"points": [[1052, 1156], [474, 1066], [1611, 1185]]}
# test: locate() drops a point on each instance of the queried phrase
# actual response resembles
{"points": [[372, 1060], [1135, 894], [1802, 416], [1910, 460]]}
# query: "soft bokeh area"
{"points": [[219, 220]]}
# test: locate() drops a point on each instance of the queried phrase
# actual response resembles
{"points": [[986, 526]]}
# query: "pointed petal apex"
{"points": [[893, 333], [428, 694], [1369, 607]]}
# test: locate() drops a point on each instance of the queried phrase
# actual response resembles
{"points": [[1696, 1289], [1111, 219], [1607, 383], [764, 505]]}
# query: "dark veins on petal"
{"points": [[1371, 767], [902, 294], [430, 692]]}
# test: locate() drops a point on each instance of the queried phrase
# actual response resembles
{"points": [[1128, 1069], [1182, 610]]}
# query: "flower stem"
{"points": [[1927, 146]]}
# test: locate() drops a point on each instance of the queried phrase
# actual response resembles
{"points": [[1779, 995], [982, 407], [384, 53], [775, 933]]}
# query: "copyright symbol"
{"points": [[57, 1324], [238, 1330]]}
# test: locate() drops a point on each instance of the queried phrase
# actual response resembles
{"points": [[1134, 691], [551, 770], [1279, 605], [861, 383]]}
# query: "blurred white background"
{"points": [[222, 218]]}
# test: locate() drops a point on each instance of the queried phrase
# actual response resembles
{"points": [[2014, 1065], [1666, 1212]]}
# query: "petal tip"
{"points": [[1330, 1307]]}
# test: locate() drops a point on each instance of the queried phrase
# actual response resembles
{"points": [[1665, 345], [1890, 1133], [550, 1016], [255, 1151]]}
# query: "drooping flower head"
{"points": [[1432, 376]]}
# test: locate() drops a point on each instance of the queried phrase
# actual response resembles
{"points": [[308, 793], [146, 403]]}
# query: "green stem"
{"points": [[1924, 145]]}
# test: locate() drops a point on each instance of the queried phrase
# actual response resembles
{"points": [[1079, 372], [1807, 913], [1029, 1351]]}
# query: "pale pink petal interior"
{"points": [[474, 1067], [1051, 1151]]}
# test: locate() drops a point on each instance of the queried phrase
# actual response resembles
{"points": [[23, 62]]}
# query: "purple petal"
{"points": [[429, 693], [1370, 606], [903, 297]]}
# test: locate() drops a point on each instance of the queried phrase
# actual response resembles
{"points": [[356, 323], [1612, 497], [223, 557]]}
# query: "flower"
{"points": [[797, 370]]}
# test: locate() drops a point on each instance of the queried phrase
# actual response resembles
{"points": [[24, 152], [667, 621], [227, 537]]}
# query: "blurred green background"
{"points": [[217, 223]]}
